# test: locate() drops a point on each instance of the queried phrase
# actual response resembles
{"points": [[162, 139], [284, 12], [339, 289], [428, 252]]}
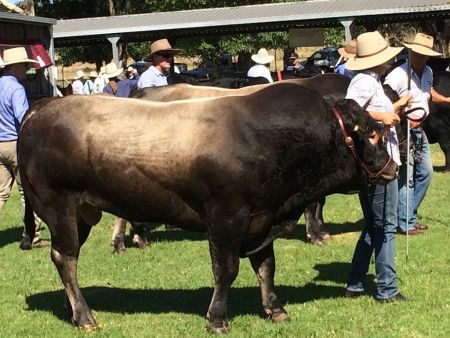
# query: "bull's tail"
{"points": [[30, 225], [275, 232]]}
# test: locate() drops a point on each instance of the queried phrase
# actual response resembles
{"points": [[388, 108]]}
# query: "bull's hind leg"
{"points": [[68, 234], [263, 263], [225, 235]]}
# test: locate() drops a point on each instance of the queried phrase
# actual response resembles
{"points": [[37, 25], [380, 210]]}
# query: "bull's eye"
{"points": [[374, 138]]}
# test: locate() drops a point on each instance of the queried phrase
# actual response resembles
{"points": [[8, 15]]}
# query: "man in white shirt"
{"points": [[421, 167], [262, 58], [77, 84]]}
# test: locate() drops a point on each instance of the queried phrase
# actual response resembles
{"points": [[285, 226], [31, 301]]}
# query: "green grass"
{"points": [[165, 290]]}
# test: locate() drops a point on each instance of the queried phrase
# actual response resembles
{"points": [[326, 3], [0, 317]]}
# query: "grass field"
{"points": [[165, 290]]}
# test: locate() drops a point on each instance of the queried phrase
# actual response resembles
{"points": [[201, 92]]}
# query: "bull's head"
{"points": [[363, 138]]}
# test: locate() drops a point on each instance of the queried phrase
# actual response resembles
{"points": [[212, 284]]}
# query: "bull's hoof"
{"points": [[317, 241], [140, 242], [118, 248], [280, 317], [325, 236], [25, 243], [222, 329], [89, 327]]}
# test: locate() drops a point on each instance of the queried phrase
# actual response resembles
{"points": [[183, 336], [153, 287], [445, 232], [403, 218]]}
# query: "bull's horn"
{"points": [[356, 128]]}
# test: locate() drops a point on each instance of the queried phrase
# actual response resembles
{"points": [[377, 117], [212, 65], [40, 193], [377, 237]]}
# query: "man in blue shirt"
{"points": [[161, 54], [13, 105]]}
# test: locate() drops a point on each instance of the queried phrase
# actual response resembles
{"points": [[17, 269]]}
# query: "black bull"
{"points": [[242, 168]]}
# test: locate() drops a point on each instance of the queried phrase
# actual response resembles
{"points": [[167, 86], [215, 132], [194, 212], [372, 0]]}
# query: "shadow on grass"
{"points": [[245, 300], [10, 235], [441, 169], [334, 228]]}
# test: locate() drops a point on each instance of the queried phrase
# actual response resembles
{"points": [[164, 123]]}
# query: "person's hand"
{"points": [[391, 119], [404, 101], [414, 124]]}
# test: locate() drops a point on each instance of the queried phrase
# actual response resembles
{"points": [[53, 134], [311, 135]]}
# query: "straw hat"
{"points": [[162, 45], [16, 55], [78, 75], [262, 57], [102, 71], [111, 70], [349, 50], [371, 51], [422, 44], [93, 74]]}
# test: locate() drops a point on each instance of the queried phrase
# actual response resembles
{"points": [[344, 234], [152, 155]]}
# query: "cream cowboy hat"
{"points": [[262, 57], [111, 70], [93, 74], [422, 44], [349, 50], [16, 55], [162, 45], [78, 75], [371, 51]]}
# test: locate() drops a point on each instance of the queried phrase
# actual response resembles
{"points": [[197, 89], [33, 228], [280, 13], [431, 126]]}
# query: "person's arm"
{"points": [[437, 97], [19, 103]]}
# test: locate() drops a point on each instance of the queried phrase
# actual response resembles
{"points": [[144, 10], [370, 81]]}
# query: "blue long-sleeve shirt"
{"points": [[13, 105]]}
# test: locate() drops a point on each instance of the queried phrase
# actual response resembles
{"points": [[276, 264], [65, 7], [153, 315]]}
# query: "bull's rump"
{"points": [[155, 161]]}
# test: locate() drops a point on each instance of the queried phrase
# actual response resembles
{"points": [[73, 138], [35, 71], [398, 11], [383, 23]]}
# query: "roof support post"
{"points": [[347, 22], [113, 39]]}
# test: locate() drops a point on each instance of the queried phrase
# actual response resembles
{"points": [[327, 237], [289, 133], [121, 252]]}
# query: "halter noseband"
{"points": [[351, 146]]}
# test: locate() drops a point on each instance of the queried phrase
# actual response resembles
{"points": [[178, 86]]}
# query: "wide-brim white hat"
{"points": [[111, 70], [78, 75], [422, 44], [262, 57], [371, 50], [16, 55]]}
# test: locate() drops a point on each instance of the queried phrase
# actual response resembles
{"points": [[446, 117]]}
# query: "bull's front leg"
{"points": [[263, 263], [118, 236]]}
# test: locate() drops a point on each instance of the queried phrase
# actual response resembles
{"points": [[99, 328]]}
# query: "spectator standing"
{"points": [[346, 53], [88, 87], [379, 202], [13, 105], [100, 82], [293, 63], [260, 69], [161, 55], [421, 167], [77, 84], [116, 87]]}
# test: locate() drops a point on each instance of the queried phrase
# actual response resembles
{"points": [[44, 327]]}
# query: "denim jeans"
{"points": [[379, 204], [420, 172]]}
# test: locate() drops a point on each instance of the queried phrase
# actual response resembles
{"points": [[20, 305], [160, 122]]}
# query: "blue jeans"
{"points": [[379, 204], [420, 172]]}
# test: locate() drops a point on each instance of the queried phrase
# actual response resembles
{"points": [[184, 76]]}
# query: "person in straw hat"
{"points": [[378, 202], [13, 105], [88, 87], [421, 169], [262, 58], [100, 81], [345, 53], [161, 55], [77, 83]]}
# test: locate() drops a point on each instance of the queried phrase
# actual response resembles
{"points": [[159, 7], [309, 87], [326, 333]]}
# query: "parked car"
{"points": [[180, 67], [324, 58], [200, 74]]}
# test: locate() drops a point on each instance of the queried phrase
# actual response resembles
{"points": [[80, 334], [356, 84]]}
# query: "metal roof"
{"points": [[25, 19], [252, 18]]}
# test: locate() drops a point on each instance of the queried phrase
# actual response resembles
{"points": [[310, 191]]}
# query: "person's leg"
{"points": [[402, 190], [384, 209], [6, 172], [363, 250], [423, 170]]}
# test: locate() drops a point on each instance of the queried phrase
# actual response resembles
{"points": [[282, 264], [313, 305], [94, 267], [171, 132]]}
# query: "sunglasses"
{"points": [[165, 56]]}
